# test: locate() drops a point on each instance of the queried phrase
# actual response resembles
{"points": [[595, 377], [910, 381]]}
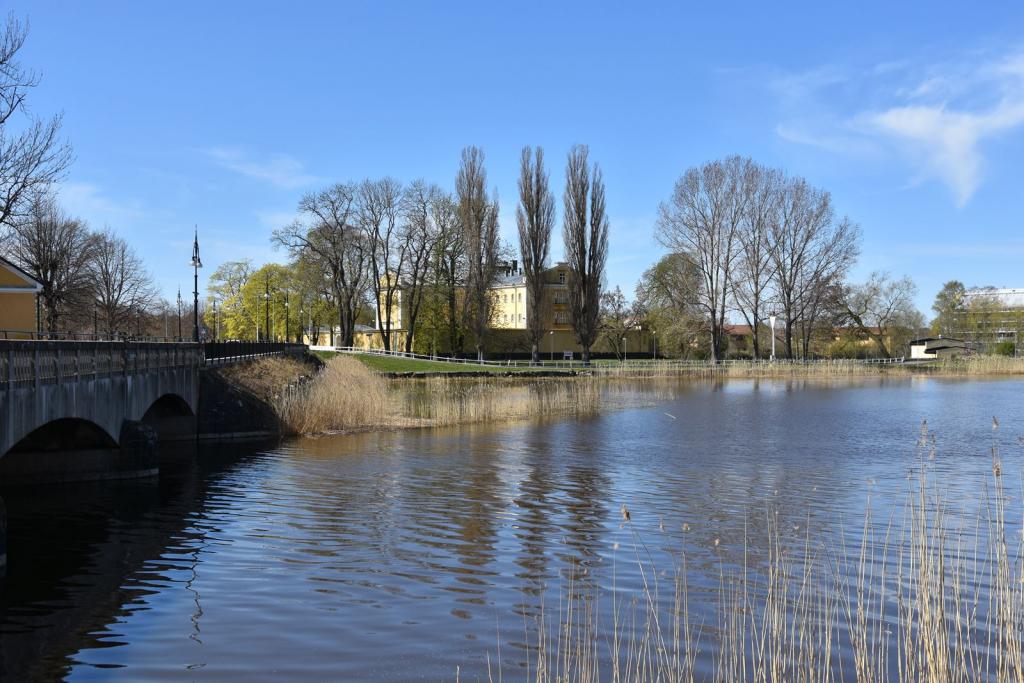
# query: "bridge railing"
{"points": [[220, 353], [36, 362]]}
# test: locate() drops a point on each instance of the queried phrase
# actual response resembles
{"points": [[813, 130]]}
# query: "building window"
{"points": [[561, 277], [520, 297]]}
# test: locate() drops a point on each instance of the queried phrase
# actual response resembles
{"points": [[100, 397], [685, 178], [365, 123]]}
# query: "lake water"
{"points": [[404, 555]]}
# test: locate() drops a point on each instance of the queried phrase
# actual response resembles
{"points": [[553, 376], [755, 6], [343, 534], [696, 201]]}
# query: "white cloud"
{"points": [[89, 202], [279, 170], [935, 117], [947, 142]]}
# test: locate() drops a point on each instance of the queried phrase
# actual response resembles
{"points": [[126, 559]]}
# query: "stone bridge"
{"points": [[75, 400], [57, 394]]}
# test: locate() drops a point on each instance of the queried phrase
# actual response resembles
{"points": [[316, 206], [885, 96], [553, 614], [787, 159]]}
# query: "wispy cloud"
{"points": [[90, 202], [935, 117], [279, 170]]}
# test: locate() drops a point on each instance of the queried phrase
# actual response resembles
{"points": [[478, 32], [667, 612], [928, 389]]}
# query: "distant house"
{"points": [[18, 292], [932, 348]]}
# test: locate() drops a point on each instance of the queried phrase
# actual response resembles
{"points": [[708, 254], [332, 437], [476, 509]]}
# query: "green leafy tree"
{"points": [[949, 303]]}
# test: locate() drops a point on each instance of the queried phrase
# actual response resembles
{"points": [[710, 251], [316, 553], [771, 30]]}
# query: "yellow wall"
{"points": [[17, 311], [509, 307]]}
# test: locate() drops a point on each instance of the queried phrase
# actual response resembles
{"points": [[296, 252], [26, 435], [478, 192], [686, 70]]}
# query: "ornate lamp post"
{"points": [[624, 353], [287, 317], [551, 336], [771, 321], [179, 312], [196, 265], [654, 335], [266, 306]]}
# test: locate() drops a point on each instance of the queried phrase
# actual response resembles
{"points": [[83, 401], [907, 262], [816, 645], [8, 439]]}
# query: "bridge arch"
{"points": [[168, 405], [65, 434], [171, 416]]}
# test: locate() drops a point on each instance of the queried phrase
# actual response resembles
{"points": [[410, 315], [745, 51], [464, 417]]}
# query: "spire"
{"points": [[196, 261]]}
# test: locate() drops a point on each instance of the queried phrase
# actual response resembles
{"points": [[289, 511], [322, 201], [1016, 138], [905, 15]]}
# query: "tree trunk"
{"points": [[534, 354]]}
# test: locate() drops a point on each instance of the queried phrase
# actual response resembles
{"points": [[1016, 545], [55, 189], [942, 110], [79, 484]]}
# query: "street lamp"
{"points": [[654, 334], [216, 321], [287, 317], [623, 349], [179, 312], [266, 306], [196, 265], [551, 336], [771, 321]]}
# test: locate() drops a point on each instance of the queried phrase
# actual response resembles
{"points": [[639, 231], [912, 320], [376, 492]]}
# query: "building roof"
{"points": [[926, 340], [1008, 297], [31, 283]]}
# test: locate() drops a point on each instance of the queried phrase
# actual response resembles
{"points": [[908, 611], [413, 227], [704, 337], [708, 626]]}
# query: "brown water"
{"points": [[403, 555]]}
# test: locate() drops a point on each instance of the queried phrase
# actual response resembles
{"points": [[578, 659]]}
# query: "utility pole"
{"points": [[196, 265]]}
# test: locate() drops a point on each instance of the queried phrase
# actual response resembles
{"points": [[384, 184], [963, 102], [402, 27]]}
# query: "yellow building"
{"points": [[18, 292], [509, 318]]}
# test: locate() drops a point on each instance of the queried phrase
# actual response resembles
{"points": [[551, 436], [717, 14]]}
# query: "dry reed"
{"points": [[968, 366], [939, 597], [347, 396]]}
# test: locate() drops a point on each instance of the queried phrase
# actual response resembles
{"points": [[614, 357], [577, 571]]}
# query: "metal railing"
{"points": [[221, 353], [637, 363], [39, 362]]}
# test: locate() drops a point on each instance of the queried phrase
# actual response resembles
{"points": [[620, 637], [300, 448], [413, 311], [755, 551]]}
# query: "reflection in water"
{"points": [[401, 555]]}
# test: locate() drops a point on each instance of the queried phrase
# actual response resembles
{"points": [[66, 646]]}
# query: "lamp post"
{"points": [[266, 306], [624, 353], [551, 336], [287, 318], [654, 334], [771, 321], [179, 312], [216, 321], [196, 265]]}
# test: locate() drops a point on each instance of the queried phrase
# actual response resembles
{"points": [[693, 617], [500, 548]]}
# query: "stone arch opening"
{"points": [[171, 417], [168, 405], [65, 434]]}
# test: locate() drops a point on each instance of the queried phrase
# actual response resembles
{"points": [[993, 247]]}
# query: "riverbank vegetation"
{"points": [[346, 396], [935, 593]]}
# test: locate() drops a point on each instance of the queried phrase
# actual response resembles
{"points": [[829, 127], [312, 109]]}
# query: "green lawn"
{"points": [[391, 364]]}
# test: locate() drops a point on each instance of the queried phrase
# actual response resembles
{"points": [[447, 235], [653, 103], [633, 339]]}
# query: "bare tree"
{"points": [[535, 217], [449, 268], [331, 238], [121, 285], [33, 157], [379, 205], [811, 252], [883, 309], [418, 234], [703, 218], [755, 267], [56, 250], [586, 245], [479, 218]]}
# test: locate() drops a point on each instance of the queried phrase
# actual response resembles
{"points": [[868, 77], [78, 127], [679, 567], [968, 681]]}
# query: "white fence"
{"points": [[576, 364]]}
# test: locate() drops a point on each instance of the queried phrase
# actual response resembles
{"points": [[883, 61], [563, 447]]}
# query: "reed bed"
{"points": [[347, 396], [968, 366], [934, 595]]}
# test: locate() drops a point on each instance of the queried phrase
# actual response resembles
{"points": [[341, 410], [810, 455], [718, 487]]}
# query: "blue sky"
{"points": [[224, 114]]}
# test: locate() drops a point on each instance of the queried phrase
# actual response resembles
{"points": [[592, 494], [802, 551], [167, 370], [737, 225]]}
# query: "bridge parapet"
{"points": [[54, 362]]}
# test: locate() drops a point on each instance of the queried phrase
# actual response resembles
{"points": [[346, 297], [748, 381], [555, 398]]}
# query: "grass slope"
{"points": [[391, 364]]}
